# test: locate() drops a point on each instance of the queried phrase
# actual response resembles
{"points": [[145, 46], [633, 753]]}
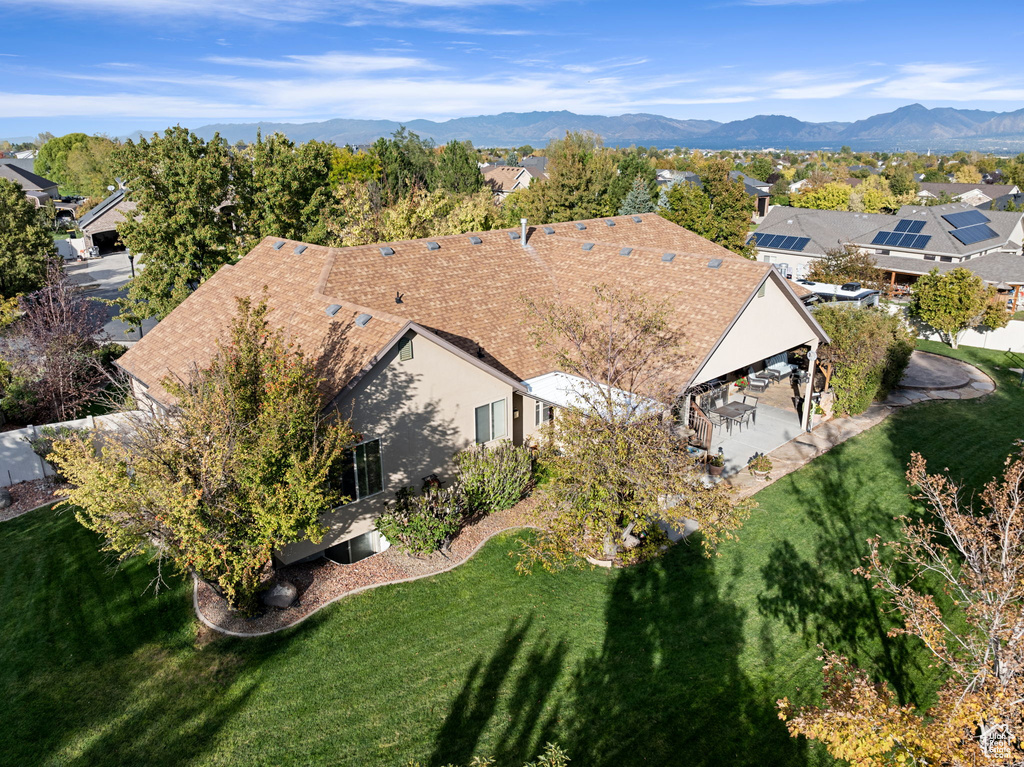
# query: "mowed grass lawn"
{"points": [[679, 662]]}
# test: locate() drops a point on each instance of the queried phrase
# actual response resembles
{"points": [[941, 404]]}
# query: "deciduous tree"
{"points": [[238, 466], [956, 301], [618, 469], [180, 237], [52, 161], [25, 242], [956, 579], [846, 264]]}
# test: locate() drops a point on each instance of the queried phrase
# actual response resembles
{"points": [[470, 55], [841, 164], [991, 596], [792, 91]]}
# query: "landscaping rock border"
{"points": [[321, 583]]}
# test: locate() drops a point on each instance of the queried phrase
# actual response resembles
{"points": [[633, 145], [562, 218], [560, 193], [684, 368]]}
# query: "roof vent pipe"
{"points": [[522, 225]]}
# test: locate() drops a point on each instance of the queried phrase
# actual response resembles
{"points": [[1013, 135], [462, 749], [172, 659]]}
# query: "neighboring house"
{"points": [[1000, 203], [868, 168], [798, 186], [26, 154], [669, 178], [425, 345], [99, 225], [505, 179], [761, 191], [538, 166], [972, 194], [906, 245], [38, 189]]}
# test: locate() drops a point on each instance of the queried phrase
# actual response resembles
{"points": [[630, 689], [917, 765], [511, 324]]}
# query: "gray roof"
{"points": [[103, 207], [989, 190], [829, 229], [754, 186], [993, 268], [28, 180], [28, 165], [999, 203]]}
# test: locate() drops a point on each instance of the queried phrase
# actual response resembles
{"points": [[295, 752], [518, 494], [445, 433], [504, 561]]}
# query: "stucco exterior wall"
{"points": [[768, 325], [423, 411]]}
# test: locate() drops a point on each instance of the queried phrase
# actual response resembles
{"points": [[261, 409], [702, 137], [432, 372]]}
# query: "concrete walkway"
{"points": [[928, 377]]}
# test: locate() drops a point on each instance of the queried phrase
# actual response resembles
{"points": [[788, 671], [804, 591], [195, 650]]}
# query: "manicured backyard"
{"points": [[679, 662]]}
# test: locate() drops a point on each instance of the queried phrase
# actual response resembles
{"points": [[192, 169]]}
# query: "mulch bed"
{"points": [[29, 495], [322, 581]]}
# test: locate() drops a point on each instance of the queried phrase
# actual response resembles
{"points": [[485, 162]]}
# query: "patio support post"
{"points": [[809, 389]]}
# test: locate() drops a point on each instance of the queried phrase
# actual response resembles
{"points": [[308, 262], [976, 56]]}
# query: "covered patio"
{"points": [[777, 422]]}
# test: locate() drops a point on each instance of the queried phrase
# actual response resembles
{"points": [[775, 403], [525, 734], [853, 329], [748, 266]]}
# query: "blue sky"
{"points": [[117, 66]]}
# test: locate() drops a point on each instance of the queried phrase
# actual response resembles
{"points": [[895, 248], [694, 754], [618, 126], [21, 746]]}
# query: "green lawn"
{"points": [[679, 662]]}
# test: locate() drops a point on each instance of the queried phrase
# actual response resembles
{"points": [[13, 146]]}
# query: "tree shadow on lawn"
{"points": [[476, 703], [845, 499], [667, 686], [99, 671]]}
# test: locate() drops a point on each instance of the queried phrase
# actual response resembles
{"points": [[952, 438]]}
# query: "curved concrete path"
{"points": [[928, 377]]}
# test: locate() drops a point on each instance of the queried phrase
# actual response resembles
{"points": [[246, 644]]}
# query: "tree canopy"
{"points": [[719, 209], [954, 301], [25, 242], [456, 170], [238, 467], [181, 236]]}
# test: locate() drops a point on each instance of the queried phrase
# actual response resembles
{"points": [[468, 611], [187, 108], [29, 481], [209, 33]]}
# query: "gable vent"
{"points": [[714, 263], [637, 220], [625, 251], [475, 240], [549, 230], [513, 235], [362, 319], [581, 227], [387, 251], [668, 257], [609, 222], [299, 250], [278, 245], [433, 246], [588, 246], [332, 309]]}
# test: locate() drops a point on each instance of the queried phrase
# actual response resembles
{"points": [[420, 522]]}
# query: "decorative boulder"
{"points": [[5, 498], [280, 595]]}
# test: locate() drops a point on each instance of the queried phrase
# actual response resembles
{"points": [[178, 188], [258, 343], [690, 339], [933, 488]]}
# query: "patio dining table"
{"points": [[733, 412]]}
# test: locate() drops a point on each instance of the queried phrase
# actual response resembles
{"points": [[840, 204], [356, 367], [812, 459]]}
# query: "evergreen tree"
{"points": [[406, 163], [633, 164], [179, 182], [456, 170], [25, 242], [638, 200]]}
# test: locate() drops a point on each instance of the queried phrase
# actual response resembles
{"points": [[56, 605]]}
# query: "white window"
{"points": [[490, 422], [542, 413], [360, 474]]}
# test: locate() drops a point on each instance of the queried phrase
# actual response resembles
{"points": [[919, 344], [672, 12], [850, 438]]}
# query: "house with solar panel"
{"points": [[426, 346], [913, 242]]}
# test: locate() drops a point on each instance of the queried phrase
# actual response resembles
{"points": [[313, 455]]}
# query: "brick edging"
{"points": [[210, 624]]}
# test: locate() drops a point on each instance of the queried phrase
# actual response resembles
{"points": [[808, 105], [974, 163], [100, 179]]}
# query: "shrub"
{"points": [[494, 478], [47, 437], [868, 355], [420, 524], [19, 400], [759, 463]]}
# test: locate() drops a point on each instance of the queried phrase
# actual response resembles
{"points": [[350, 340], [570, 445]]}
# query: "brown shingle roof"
{"points": [[506, 178], [469, 294]]}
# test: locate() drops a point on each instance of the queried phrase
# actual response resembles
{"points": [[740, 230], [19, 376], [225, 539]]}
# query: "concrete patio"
{"points": [[773, 428]]}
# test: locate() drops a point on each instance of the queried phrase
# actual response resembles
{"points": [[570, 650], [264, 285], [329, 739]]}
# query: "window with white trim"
{"points": [[542, 413], [490, 422], [360, 474]]}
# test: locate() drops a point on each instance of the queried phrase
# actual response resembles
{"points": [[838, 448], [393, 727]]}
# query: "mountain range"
{"points": [[912, 127]]}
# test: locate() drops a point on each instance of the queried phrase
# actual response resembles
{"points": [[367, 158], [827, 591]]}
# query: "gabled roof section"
{"points": [[27, 180]]}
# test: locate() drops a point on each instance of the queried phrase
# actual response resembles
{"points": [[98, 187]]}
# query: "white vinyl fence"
{"points": [[18, 463], [1010, 338]]}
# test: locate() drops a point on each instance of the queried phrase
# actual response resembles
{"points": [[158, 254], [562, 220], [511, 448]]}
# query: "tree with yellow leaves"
{"points": [[973, 625]]}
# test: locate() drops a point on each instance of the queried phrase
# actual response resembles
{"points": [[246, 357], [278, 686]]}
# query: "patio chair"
{"points": [[751, 415], [755, 382], [778, 366]]}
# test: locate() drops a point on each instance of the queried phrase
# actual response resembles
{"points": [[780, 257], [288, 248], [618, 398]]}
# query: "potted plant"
{"points": [[760, 466], [716, 465], [741, 383]]}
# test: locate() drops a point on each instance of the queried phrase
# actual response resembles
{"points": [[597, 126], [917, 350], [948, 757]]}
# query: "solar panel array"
{"points": [[781, 241], [969, 235], [901, 240], [908, 226], [967, 218]]}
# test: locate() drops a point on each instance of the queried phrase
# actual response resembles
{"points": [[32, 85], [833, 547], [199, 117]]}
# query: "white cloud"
{"points": [[331, 62], [948, 82], [828, 90]]}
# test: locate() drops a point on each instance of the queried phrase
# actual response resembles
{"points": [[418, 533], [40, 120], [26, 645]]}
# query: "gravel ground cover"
{"points": [[29, 495], [321, 582]]}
